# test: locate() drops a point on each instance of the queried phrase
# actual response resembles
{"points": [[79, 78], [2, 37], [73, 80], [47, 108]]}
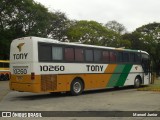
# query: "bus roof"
{"points": [[48, 40]]}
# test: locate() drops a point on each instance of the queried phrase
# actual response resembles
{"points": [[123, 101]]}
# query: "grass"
{"points": [[152, 87]]}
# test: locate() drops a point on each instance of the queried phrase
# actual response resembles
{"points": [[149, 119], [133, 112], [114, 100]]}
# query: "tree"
{"points": [[115, 26], [133, 38], [85, 32], [147, 38], [20, 19], [59, 26], [91, 32], [28, 18]]}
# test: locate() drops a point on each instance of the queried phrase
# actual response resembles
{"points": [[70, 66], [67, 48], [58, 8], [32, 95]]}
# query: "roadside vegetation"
{"points": [[152, 87]]}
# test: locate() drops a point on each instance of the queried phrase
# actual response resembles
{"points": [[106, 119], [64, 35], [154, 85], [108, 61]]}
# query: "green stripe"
{"points": [[119, 75], [124, 75], [115, 76]]}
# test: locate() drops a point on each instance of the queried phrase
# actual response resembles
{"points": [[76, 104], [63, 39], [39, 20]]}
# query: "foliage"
{"points": [[115, 26], [91, 32], [147, 38], [27, 18], [59, 26]]}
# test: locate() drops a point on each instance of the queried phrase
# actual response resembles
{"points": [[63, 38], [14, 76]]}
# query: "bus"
{"points": [[46, 65], [4, 70]]}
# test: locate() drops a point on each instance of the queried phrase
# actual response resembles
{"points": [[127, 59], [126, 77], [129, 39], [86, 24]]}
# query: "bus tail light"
{"points": [[32, 76]]}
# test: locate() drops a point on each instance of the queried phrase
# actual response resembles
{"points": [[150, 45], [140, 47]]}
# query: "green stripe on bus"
{"points": [[115, 76], [124, 75]]}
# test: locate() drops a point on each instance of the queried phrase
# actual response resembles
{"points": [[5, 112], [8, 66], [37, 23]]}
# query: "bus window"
{"points": [[145, 56], [137, 58], [113, 56], [131, 57], [105, 56], [69, 54], [145, 63], [125, 57], [97, 55], [57, 53], [44, 53], [1, 64], [79, 55], [119, 57], [6, 65], [89, 55]]}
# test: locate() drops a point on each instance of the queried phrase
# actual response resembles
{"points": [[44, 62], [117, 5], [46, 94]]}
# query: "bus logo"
{"points": [[20, 46], [136, 67]]}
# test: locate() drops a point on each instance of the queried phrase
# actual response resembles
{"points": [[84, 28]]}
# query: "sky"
{"points": [[131, 13]]}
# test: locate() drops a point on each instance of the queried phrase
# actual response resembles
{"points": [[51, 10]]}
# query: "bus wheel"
{"points": [[137, 82], [6, 76], [2, 77], [76, 87]]}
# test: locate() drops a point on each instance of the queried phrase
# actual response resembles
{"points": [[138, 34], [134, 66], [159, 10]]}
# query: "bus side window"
{"points": [[105, 56], [57, 53], [125, 57], [132, 58], [79, 54], [44, 53], [119, 57], [97, 55], [89, 55], [69, 54], [137, 58], [113, 56]]}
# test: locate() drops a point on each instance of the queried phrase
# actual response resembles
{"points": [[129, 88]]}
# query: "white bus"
{"points": [[46, 65]]}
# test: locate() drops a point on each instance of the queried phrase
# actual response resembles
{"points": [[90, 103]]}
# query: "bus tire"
{"points": [[76, 87], [2, 77], [137, 82], [7, 77]]}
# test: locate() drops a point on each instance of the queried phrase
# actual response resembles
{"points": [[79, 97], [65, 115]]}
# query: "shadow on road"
{"points": [[37, 96]]}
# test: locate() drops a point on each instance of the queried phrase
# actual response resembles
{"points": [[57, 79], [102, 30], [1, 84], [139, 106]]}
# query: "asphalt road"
{"points": [[4, 89], [126, 99]]}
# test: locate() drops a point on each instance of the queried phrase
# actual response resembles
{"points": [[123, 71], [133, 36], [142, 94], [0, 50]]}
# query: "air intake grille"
{"points": [[48, 82]]}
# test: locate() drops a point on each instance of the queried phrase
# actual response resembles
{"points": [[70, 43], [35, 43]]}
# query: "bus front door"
{"points": [[146, 69]]}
